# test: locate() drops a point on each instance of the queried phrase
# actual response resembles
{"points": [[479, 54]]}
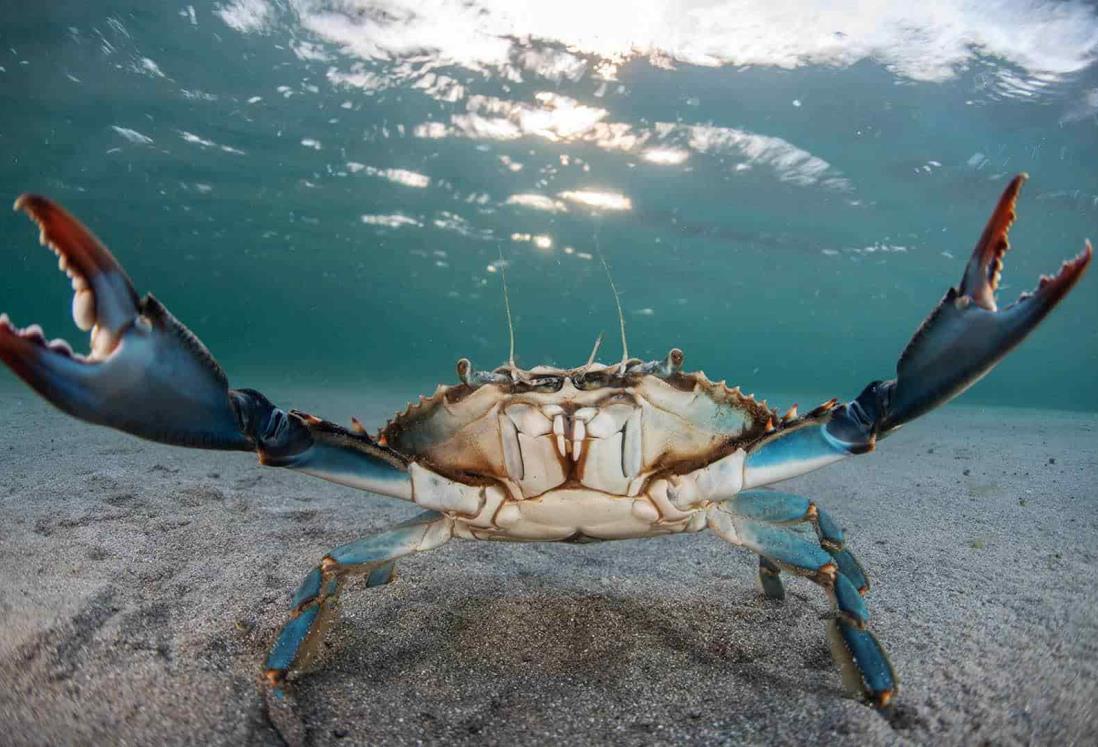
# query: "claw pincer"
{"points": [[145, 373], [959, 342], [967, 334]]}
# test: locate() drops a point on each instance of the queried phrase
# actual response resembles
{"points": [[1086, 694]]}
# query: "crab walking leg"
{"points": [[149, 375], [314, 601], [770, 578], [767, 527], [786, 508], [960, 342]]}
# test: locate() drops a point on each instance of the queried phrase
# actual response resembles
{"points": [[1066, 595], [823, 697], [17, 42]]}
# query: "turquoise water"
{"points": [[324, 191]]}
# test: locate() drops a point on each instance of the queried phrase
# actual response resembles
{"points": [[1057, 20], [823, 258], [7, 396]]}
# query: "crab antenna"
{"points": [[594, 351], [617, 299], [507, 307]]}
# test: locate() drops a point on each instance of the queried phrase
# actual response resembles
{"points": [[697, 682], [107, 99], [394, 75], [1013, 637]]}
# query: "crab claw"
{"points": [[146, 373], [967, 334]]}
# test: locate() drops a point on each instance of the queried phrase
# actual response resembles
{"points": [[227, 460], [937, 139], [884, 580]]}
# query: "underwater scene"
{"points": [[329, 191], [341, 199]]}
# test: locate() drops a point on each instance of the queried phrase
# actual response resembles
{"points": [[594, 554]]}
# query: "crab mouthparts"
{"points": [[598, 446]]}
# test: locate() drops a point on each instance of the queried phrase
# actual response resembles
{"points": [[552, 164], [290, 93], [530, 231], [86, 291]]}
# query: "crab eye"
{"points": [[592, 380], [539, 384]]}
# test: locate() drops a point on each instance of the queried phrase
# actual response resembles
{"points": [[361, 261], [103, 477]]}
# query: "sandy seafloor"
{"points": [[141, 585]]}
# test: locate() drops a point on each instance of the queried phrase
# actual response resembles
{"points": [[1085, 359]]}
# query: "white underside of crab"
{"points": [[577, 464]]}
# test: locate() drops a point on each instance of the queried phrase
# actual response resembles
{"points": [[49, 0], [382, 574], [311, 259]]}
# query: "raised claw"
{"points": [[146, 373], [967, 334], [962, 339]]}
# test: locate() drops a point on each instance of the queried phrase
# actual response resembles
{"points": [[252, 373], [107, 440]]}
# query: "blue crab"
{"points": [[598, 452]]}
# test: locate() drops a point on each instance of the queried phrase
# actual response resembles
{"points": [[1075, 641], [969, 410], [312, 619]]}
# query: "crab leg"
{"points": [[148, 375], [786, 508], [779, 527], [315, 599], [962, 339], [775, 507], [770, 579]]}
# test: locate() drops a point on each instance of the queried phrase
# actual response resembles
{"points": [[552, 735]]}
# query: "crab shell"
{"points": [[592, 429]]}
